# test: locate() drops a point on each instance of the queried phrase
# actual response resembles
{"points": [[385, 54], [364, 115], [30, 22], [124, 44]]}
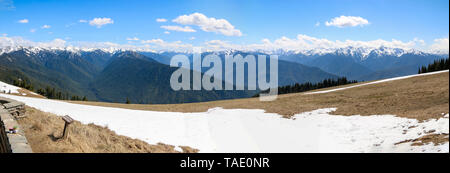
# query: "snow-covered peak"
{"points": [[75, 50], [361, 53]]}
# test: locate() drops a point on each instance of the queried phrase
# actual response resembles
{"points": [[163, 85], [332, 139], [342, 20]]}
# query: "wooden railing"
{"points": [[12, 141], [5, 147]]}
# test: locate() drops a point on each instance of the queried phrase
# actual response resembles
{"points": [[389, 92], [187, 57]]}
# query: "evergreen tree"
{"points": [[437, 65], [309, 86]]}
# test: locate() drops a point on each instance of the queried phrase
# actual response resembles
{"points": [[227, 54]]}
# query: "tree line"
{"points": [[23, 84], [297, 87], [48, 92], [51, 93], [437, 65]]}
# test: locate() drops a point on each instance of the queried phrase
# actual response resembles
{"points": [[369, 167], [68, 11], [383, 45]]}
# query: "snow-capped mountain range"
{"points": [[356, 52], [88, 71]]}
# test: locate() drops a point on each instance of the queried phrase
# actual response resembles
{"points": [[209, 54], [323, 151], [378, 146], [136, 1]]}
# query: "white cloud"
{"points": [[19, 41], [304, 43], [160, 44], [153, 41], [179, 28], [133, 39], [99, 22], [161, 20], [192, 38], [347, 21], [45, 26], [60, 43], [207, 24], [216, 45], [440, 46], [82, 21], [54, 43], [317, 24], [301, 44], [166, 32], [32, 30], [23, 21]]}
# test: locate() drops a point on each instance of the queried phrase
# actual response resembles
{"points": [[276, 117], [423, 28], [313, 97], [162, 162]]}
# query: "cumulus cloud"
{"points": [[32, 30], [161, 20], [440, 46], [82, 21], [301, 44], [217, 45], [60, 43], [23, 21], [347, 21], [304, 43], [99, 22], [166, 32], [54, 43], [208, 24], [179, 28], [160, 44], [45, 26], [153, 41], [107, 46], [19, 41]]}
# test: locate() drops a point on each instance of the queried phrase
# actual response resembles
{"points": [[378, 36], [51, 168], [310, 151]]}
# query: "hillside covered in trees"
{"points": [[48, 92], [312, 86], [437, 65]]}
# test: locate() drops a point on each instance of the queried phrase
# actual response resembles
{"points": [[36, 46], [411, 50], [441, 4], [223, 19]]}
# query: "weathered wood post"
{"points": [[4, 142], [68, 120]]}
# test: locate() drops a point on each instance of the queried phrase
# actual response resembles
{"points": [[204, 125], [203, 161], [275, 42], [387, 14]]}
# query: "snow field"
{"points": [[253, 130]]}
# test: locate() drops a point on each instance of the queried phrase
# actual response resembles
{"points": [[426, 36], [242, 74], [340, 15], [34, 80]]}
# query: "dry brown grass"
{"points": [[43, 130], [436, 139], [27, 93], [421, 97]]}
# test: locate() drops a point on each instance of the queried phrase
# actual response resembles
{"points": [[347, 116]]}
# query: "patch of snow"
{"points": [[253, 130], [7, 88], [375, 82], [34, 93], [178, 148]]}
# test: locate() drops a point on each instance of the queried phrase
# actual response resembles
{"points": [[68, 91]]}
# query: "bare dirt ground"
{"points": [[27, 93], [421, 97], [436, 139], [43, 130]]}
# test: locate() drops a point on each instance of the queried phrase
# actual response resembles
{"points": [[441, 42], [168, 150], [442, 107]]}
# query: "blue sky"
{"points": [[402, 20]]}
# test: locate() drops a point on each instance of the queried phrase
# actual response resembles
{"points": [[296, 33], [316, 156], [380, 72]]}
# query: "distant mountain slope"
{"points": [[142, 80], [388, 73], [365, 64], [340, 65], [63, 70], [288, 72], [112, 75]]}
